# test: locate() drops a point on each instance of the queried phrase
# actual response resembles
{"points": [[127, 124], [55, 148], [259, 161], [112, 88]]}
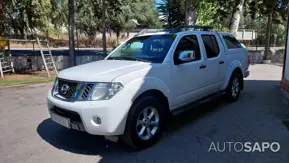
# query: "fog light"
{"points": [[96, 120]]}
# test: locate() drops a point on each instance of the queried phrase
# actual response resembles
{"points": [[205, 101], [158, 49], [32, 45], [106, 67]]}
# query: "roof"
{"points": [[173, 30]]}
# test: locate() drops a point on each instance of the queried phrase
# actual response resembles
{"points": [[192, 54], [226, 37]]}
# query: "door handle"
{"points": [[203, 66], [221, 62]]}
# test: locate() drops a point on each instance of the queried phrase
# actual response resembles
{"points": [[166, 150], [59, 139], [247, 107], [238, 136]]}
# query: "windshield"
{"points": [[144, 48]]}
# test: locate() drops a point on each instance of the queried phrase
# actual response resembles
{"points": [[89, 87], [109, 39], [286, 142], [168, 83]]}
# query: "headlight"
{"points": [[55, 87], [105, 91]]}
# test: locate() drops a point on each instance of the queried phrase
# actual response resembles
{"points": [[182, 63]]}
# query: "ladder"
{"points": [[6, 63], [47, 57]]}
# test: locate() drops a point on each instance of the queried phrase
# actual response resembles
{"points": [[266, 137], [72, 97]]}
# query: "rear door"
{"points": [[215, 61]]}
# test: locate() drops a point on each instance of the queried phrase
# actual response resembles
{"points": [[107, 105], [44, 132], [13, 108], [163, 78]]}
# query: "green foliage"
{"points": [[27, 15], [259, 23], [145, 13], [276, 12], [191, 3], [131, 16], [88, 16], [257, 8], [120, 15], [206, 12], [220, 27], [172, 14], [59, 12], [277, 34]]}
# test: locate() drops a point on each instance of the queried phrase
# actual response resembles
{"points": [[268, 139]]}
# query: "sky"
{"points": [[158, 1]]}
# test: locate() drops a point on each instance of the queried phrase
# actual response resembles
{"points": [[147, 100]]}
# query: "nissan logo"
{"points": [[64, 89]]}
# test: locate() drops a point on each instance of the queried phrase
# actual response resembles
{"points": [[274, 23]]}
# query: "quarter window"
{"points": [[211, 46]]}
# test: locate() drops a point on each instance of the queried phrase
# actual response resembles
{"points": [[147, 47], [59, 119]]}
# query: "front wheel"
{"points": [[144, 123], [234, 87]]}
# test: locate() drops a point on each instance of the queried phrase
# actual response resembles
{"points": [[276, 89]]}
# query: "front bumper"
{"points": [[247, 73], [113, 113]]}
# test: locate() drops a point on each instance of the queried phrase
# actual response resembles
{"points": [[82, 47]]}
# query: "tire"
{"points": [[234, 87], [137, 123]]}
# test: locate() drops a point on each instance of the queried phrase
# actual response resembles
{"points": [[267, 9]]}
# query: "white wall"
{"points": [[61, 62]]}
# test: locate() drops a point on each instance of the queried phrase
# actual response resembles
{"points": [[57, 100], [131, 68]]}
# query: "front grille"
{"points": [[67, 89], [73, 90], [86, 91]]}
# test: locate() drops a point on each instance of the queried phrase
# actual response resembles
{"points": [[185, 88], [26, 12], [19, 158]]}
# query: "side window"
{"points": [[211, 45], [188, 43], [231, 42]]}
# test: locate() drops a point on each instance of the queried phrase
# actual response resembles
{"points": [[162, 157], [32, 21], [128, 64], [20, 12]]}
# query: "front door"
{"points": [[187, 76]]}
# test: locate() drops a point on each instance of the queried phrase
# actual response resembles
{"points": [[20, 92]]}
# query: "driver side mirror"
{"points": [[186, 56]]}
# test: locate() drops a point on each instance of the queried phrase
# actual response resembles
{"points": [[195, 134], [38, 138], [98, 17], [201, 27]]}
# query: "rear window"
{"points": [[211, 45], [231, 42]]}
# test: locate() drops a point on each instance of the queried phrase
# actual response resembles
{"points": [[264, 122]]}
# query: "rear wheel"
{"points": [[234, 87], [144, 123]]}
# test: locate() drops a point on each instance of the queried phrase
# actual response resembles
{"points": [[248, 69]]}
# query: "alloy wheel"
{"points": [[147, 123]]}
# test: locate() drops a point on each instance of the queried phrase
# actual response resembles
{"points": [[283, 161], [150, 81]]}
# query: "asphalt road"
{"points": [[27, 135]]}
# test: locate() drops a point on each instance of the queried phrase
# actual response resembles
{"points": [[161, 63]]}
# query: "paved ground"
{"points": [[27, 134]]}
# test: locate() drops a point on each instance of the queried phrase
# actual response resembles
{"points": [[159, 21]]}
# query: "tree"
{"points": [[270, 5], [190, 11], [93, 16], [27, 15], [172, 13], [179, 12], [103, 17], [145, 13], [206, 12], [111, 8], [87, 18], [2, 18], [123, 21], [72, 60], [59, 12], [236, 16], [131, 16], [276, 12]]}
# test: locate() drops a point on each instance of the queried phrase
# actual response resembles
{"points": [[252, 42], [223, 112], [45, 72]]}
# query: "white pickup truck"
{"points": [[134, 90]]}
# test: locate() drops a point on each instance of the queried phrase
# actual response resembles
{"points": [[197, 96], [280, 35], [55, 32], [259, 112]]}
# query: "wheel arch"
{"points": [[157, 94], [235, 67]]}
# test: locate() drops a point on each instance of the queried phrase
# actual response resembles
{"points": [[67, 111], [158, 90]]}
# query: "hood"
{"points": [[102, 71]]}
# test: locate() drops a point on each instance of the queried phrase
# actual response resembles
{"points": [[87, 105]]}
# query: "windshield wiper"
{"points": [[128, 58]]}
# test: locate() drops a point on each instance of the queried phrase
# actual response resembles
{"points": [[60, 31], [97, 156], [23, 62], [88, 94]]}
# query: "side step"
{"points": [[197, 102]]}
